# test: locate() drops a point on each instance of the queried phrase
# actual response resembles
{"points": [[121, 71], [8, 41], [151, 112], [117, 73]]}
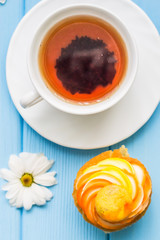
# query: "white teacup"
{"points": [[42, 92]]}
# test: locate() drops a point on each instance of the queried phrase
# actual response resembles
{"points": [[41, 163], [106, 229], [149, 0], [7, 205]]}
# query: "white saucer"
{"points": [[103, 129]]}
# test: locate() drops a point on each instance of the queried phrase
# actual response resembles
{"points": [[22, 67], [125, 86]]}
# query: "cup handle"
{"points": [[30, 99]]}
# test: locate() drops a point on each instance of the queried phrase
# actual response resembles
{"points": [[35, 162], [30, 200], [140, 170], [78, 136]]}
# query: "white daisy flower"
{"points": [[26, 180]]}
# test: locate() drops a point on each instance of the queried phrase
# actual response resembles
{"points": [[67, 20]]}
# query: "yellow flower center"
{"points": [[27, 179]]}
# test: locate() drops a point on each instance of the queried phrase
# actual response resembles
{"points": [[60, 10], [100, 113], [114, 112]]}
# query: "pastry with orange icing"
{"points": [[112, 190]]}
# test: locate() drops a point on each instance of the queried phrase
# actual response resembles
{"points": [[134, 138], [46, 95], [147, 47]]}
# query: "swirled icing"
{"points": [[113, 192]]}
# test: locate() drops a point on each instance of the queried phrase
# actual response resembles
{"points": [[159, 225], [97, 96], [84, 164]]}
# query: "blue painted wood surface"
{"points": [[59, 219]]}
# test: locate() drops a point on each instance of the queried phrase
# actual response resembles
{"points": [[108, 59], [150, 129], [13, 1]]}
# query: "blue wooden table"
{"points": [[59, 219]]}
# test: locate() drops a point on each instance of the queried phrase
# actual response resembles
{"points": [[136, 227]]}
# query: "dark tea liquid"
{"points": [[83, 59]]}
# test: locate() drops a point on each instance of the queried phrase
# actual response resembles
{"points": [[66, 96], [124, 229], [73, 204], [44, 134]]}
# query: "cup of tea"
{"points": [[82, 60]]}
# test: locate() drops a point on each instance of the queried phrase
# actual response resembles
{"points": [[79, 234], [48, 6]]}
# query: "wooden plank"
{"points": [[59, 219], [10, 121], [144, 145]]}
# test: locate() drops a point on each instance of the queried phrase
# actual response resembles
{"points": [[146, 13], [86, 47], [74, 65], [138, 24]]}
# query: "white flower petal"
{"points": [[39, 201], [16, 165], [19, 198], [36, 163], [7, 174], [32, 194], [42, 194], [9, 185], [6, 187], [27, 199], [15, 200], [48, 193], [12, 202], [30, 161], [42, 165], [37, 198], [13, 191], [46, 179], [25, 155]]}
